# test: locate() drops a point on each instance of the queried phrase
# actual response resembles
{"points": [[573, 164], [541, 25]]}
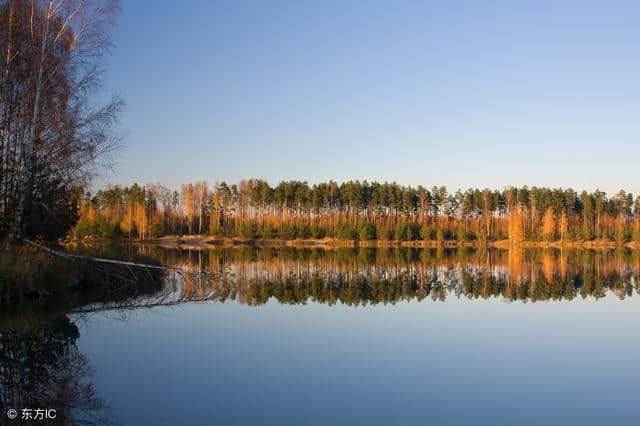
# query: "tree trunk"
{"points": [[27, 157]]}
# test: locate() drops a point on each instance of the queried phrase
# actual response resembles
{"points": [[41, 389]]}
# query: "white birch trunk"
{"points": [[27, 157]]}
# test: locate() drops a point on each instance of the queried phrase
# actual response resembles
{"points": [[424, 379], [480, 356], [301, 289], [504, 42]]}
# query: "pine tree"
{"points": [[587, 216]]}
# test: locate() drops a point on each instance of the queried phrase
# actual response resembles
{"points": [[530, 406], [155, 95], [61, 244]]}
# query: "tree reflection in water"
{"points": [[41, 368], [369, 276]]}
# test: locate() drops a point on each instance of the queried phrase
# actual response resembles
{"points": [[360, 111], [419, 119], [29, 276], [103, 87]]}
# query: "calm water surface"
{"points": [[377, 337]]}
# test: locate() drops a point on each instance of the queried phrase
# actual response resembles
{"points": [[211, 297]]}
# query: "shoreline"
{"points": [[198, 242]]}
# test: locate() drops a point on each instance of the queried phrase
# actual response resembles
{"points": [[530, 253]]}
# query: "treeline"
{"points": [[357, 210]]}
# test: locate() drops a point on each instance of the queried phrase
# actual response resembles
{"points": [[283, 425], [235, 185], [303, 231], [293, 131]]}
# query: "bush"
{"points": [[24, 270], [108, 229], [367, 232], [346, 231], [215, 229], [267, 231], [384, 232], [247, 230], [317, 231], [84, 228], [401, 231], [156, 229], [440, 236], [302, 231], [414, 231], [287, 231]]}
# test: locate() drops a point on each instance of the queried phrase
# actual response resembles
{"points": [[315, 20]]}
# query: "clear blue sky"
{"points": [[460, 93]]}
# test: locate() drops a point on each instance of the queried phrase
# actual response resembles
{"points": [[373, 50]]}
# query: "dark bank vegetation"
{"points": [[360, 211], [33, 280], [40, 364]]}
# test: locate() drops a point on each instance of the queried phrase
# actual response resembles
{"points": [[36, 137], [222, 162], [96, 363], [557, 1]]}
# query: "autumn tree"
{"points": [[563, 227], [516, 226], [549, 225]]}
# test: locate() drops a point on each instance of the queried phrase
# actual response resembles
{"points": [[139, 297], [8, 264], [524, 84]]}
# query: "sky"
{"points": [[456, 93]]}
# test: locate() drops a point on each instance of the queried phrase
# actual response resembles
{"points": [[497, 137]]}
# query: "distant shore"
{"points": [[205, 241]]}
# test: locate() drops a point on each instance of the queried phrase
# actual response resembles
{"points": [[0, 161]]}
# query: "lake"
{"points": [[280, 336]]}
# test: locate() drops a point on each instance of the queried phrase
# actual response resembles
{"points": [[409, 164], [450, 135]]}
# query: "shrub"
{"points": [[317, 231], [108, 229], [346, 231], [287, 231], [215, 229], [84, 228], [156, 229], [384, 232], [302, 231], [414, 231], [267, 231], [247, 230], [367, 232], [401, 231], [24, 270]]}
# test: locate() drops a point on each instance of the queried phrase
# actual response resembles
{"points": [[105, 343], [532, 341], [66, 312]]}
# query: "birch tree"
{"points": [[52, 134]]}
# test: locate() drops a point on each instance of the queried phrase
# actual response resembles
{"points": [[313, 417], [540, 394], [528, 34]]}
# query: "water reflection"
{"points": [[40, 365], [370, 276], [42, 369]]}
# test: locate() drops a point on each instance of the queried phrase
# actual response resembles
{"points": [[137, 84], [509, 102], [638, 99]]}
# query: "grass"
{"points": [[27, 272]]}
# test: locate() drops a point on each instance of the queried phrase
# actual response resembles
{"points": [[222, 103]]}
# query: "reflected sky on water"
{"points": [[343, 337]]}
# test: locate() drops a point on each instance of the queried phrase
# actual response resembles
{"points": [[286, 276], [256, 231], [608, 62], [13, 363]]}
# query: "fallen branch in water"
{"points": [[113, 261], [142, 305]]}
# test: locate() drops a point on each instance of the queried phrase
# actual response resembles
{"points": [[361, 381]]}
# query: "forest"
{"points": [[358, 210]]}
